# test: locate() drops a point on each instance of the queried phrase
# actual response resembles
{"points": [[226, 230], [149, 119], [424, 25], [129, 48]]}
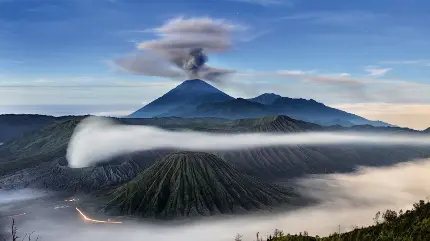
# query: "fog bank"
{"points": [[346, 199], [96, 139], [20, 195]]}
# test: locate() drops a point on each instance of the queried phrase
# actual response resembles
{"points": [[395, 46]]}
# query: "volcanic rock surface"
{"points": [[194, 184], [58, 176]]}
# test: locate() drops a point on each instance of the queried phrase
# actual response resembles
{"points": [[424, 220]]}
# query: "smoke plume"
{"points": [[182, 49], [196, 59], [96, 139]]}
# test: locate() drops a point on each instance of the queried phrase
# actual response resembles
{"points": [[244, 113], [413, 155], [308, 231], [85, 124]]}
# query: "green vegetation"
{"points": [[413, 225]]}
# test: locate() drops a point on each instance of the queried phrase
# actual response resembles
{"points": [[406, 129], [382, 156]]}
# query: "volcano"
{"points": [[184, 98], [197, 98], [194, 184], [58, 176]]}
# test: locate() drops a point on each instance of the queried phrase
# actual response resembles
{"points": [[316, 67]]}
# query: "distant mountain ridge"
{"points": [[196, 98], [12, 126], [277, 124], [266, 99]]}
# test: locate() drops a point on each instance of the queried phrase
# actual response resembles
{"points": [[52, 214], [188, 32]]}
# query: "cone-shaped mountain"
{"points": [[183, 98], [194, 184]]}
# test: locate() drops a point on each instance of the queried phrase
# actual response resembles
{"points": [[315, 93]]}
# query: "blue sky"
{"points": [[61, 53]]}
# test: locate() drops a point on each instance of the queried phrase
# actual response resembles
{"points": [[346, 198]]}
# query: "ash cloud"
{"points": [[182, 49], [96, 139], [149, 64], [196, 59], [165, 56], [20, 195]]}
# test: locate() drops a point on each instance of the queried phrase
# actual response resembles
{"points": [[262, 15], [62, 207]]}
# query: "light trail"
{"points": [[61, 207], [95, 220], [17, 215]]}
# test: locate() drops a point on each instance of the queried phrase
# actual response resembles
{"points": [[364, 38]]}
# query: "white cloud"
{"points": [[292, 72], [377, 71], [345, 75], [196, 26]]}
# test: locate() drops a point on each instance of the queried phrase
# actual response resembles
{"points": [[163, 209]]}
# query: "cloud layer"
{"points": [[345, 201], [96, 139]]}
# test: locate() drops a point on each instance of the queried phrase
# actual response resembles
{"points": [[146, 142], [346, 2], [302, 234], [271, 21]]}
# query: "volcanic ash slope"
{"points": [[194, 184]]}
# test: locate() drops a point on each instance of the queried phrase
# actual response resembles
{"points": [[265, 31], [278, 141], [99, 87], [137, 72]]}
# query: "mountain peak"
{"points": [[427, 130], [266, 98], [194, 81], [196, 85], [269, 94], [182, 98]]}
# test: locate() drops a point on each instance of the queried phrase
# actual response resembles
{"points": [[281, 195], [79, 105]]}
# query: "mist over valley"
{"points": [[244, 120]]}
